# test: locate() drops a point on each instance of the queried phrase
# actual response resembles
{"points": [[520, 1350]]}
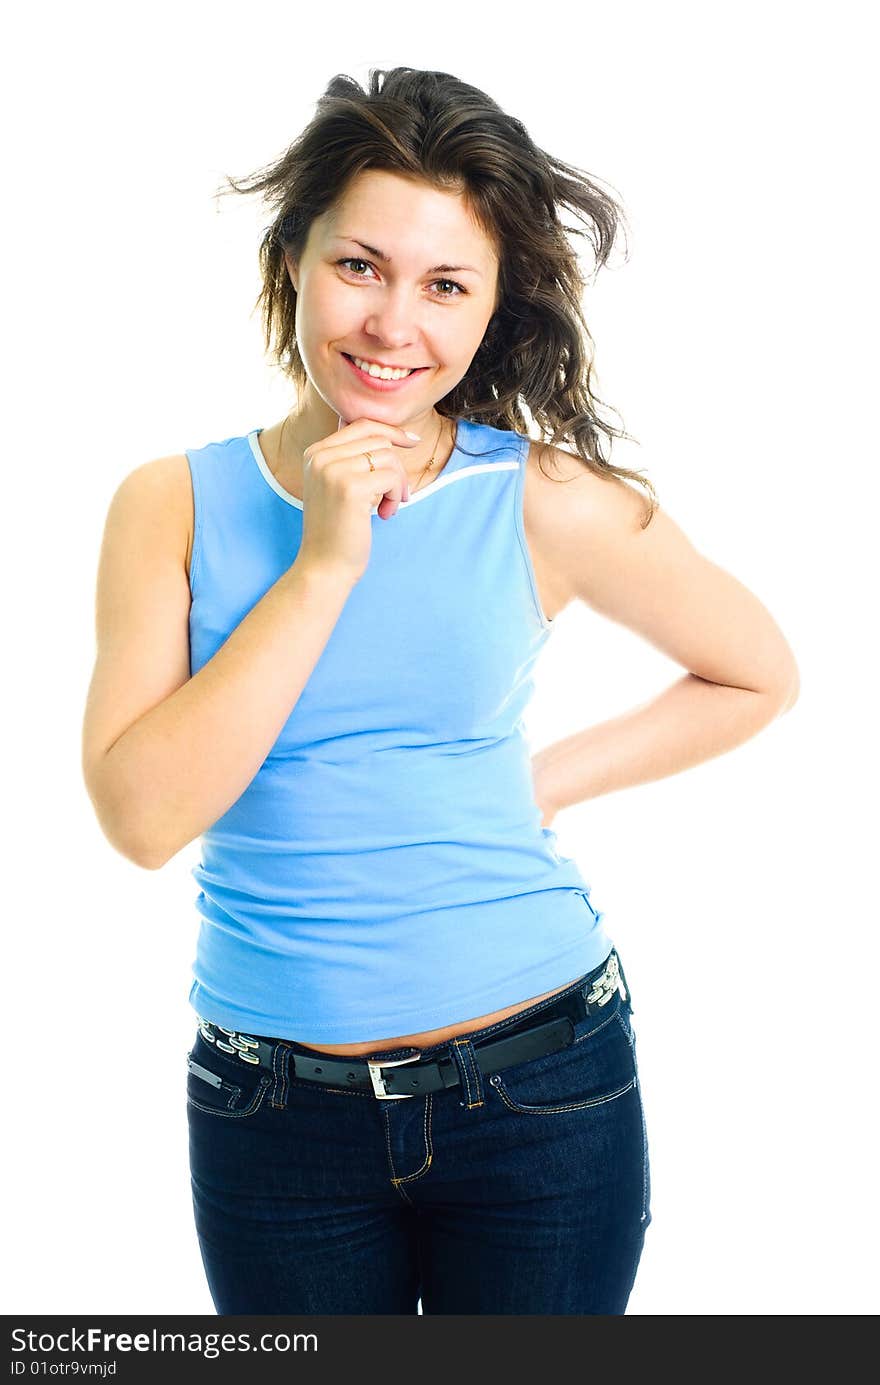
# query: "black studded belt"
{"points": [[545, 1029]]}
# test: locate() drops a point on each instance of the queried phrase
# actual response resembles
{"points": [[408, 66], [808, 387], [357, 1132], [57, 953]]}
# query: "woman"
{"points": [[414, 1073]]}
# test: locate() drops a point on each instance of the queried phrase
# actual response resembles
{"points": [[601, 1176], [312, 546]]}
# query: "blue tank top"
{"points": [[386, 871]]}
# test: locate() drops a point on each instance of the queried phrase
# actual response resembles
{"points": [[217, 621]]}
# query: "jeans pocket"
{"points": [[596, 1068], [221, 1087]]}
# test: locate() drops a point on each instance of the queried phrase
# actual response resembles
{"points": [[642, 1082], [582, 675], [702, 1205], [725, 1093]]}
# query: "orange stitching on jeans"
{"points": [[469, 1105], [467, 1075], [526, 1110], [426, 1128], [396, 1181]]}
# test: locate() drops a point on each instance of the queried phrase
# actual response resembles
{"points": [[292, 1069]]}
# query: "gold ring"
{"points": [[370, 460]]}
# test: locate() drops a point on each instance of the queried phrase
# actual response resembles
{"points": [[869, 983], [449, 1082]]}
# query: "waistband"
{"points": [[542, 1028]]}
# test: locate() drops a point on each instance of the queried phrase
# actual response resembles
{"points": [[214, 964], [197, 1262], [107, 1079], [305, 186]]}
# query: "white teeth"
{"points": [[380, 372]]}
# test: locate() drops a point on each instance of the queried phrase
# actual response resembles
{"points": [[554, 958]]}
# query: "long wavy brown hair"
{"points": [[537, 351]]}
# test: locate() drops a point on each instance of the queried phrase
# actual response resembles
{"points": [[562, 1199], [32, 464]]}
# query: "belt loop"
{"points": [[280, 1060], [469, 1072]]}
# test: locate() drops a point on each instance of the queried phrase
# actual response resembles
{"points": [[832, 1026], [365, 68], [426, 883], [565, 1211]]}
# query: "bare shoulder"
{"points": [[570, 512], [651, 578], [161, 489], [557, 481]]}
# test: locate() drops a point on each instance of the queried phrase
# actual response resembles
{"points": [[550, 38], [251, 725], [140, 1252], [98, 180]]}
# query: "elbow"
{"points": [[131, 846], [142, 848], [148, 862], [120, 827], [139, 857]]}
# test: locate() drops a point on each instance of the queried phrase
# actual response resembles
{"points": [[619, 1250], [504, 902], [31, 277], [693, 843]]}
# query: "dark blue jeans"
{"points": [[530, 1194]]}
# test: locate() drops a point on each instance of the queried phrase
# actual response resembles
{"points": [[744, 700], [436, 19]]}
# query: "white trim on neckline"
{"points": [[442, 480]]}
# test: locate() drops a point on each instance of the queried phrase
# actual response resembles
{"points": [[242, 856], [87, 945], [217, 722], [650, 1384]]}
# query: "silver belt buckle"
{"points": [[375, 1068]]}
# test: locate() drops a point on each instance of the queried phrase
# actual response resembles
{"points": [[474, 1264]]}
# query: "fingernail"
{"points": [[415, 436]]}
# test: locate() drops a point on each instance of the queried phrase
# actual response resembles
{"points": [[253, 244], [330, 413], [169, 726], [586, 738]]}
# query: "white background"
{"points": [[737, 342]]}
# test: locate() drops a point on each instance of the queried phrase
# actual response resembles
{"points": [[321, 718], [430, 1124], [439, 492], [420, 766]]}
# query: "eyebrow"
{"points": [[437, 269]]}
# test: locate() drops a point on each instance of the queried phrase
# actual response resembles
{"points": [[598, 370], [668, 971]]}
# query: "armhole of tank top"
{"points": [[519, 515], [195, 556]]}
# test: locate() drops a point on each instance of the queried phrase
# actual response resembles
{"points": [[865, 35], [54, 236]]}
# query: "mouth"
{"points": [[381, 382]]}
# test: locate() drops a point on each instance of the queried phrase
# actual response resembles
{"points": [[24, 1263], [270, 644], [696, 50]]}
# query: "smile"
{"points": [[380, 377]]}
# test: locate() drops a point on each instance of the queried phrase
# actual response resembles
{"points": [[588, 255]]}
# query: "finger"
{"points": [[403, 487], [397, 491], [393, 436]]}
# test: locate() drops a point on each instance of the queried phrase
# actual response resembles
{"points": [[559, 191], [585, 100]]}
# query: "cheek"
{"points": [[323, 314], [464, 345], [456, 343]]}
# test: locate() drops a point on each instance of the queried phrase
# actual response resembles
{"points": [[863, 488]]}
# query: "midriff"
{"points": [[428, 1037]]}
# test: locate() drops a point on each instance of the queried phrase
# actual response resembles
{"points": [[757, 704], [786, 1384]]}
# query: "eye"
{"points": [[455, 285], [352, 260]]}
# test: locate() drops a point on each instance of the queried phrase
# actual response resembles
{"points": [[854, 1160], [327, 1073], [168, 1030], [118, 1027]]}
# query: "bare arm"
{"points": [[166, 754], [656, 583], [741, 671]]}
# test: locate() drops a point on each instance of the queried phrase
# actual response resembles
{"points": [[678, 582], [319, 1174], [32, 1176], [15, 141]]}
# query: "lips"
{"points": [[376, 382]]}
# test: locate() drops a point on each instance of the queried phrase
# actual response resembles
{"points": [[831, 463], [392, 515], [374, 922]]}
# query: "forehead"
{"points": [[405, 216]]}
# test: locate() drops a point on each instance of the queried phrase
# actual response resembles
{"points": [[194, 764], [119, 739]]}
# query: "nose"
{"points": [[394, 321]]}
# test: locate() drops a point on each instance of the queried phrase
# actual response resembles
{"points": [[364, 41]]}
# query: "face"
{"points": [[401, 310]]}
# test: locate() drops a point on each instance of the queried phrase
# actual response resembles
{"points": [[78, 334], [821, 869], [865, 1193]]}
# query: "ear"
{"points": [[292, 271]]}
